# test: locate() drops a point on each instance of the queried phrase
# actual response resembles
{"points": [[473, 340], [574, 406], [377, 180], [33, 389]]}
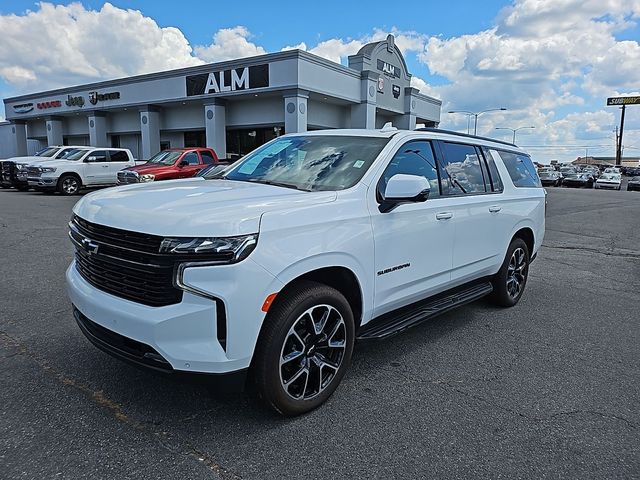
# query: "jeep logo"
{"points": [[74, 101]]}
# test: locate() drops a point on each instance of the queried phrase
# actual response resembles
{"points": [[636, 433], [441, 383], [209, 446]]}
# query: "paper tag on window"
{"points": [[358, 164]]}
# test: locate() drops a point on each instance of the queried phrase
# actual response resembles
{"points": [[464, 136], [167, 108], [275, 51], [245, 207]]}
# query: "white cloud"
{"points": [[229, 43], [61, 45]]}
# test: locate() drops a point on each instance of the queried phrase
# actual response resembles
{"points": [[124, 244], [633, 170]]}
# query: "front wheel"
{"points": [[509, 282], [304, 349], [69, 185]]}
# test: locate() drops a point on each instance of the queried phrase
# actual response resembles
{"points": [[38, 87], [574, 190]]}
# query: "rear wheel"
{"points": [[509, 282], [304, 349], [69, 185]]}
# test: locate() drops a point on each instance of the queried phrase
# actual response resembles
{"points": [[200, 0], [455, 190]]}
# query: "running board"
{"points": [[400, 320]]}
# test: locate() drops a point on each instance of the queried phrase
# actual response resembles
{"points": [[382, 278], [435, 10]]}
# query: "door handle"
{"points": [[495, 208], [444, 215], [105, 166]]}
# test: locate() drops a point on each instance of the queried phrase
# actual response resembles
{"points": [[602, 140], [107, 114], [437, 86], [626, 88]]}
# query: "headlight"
{"points": [[223, 249], [147, 177], [21, 166], [47, 169]]}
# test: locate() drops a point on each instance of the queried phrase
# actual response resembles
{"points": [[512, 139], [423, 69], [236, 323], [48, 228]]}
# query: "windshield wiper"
{"points": [[278, 184]]}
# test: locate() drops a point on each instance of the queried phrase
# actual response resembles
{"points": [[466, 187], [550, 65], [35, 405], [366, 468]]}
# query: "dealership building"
{"points": [[232, 106]]}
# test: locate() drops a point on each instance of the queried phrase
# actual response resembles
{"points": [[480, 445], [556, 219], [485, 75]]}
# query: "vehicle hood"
{"points": [[193, 207], [54, 163], [27, 160], [151, 168]]}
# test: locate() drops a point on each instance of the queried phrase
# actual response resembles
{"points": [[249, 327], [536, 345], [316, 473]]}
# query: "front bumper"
{"points": [[185, 335], [42, 182], [573, 183], [607, 186]]}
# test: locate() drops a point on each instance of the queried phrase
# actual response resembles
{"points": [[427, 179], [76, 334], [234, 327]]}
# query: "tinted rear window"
{"points": [[520, 168]]}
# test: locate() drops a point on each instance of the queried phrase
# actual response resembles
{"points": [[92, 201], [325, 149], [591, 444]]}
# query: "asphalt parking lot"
{"points": [[548, 389]]}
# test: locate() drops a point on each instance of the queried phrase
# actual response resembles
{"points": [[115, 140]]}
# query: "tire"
{"points": [[304, 380], [69, 185], [506, 293]]}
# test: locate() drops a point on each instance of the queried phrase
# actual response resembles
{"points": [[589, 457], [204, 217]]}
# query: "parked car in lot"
{"points": [[168, 165], [615, 170], [611, 181], [13, 171], [82, 167], [634, 184], [308, 243], [577, 180], [550, 178]]}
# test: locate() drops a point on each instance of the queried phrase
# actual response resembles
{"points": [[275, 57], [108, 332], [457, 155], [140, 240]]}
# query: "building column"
{"points": [[19, 133], [215, 123], [54, 131], [363, 115], [295, 111], [150, 129], [407, 121], [97, 129]]}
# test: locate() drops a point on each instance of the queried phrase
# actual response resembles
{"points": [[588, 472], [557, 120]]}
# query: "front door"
{"points": [[96, 168], [414, 241], [193, 165]]}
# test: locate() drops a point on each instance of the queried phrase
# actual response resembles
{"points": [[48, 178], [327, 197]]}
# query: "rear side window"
{"points": [[207, 157], [520, 168], [413, 158], [119, 156], [462, 171]]}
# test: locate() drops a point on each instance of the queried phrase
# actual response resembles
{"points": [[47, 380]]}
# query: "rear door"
{"points": [[413, 242], [477, 247], [118, 160], [96, 168]]}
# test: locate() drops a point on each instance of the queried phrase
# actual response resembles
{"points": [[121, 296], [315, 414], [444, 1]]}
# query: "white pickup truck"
{"points": [[82, 167]]}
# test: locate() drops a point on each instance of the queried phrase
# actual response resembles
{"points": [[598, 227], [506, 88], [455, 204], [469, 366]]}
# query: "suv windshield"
{"points": [[314, 162], [46, 152], [166, 157]]}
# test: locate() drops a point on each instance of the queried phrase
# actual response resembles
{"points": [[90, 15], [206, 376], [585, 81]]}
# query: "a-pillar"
{"points": [[19, 133], [363, 115], [150, 129], [54, 131], [97, 129], [295, 111], [216, 127]]}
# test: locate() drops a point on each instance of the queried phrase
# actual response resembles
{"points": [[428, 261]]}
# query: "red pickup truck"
{"points": [[170, 164]]}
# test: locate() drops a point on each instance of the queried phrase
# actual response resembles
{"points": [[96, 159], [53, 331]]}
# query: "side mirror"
{"points": [[183, 163], [403, 188]]}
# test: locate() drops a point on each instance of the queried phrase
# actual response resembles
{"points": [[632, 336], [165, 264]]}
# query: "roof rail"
{"points": [[451, 132]]}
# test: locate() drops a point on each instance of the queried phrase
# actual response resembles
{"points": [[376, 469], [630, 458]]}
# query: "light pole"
{"points": [[514, 130], [476, 115]]}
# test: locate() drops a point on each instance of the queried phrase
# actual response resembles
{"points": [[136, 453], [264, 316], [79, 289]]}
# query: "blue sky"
{"points": [[550, 63]]}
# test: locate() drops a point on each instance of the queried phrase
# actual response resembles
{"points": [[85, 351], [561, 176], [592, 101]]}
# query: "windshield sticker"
{"points": [[358, 164]]}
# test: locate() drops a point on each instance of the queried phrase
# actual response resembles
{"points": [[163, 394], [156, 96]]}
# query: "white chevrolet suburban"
{"points": [[78, 168], [270, 274]]}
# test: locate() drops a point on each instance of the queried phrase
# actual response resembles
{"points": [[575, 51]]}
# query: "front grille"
{"points": [[125, 264], [34, 172], [128, 176]]}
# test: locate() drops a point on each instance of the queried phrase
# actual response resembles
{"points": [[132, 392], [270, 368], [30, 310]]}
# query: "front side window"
{"points": [[191, 158], [520, 168], [98, 156], [462, 171], [413, 158], [75, 154], [313, 162]]}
